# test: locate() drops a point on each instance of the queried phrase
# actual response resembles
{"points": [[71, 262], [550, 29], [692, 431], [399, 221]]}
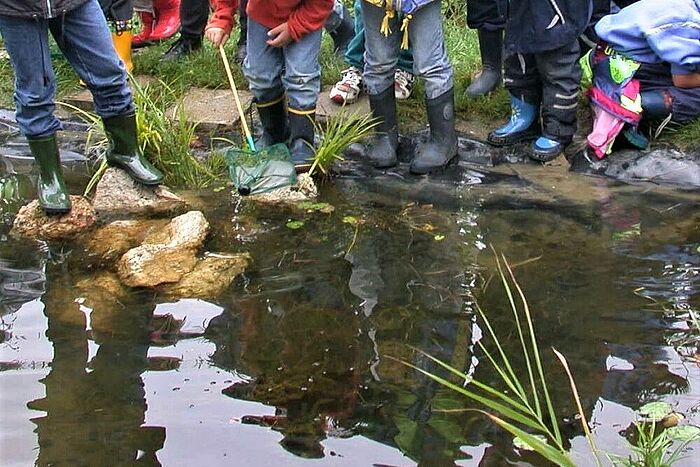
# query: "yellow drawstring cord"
{"points": [[385, 28], [404, 29]]}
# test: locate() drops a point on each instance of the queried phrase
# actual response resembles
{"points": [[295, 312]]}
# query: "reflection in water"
{"points": [[94, 410], [302, 358]]}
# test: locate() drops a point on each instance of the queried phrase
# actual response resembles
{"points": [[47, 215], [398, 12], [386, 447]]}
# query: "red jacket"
{"points": [[302, 16]]}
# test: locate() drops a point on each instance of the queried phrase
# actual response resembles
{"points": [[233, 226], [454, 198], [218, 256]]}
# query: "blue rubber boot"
{"points": [[522, 126], [546, 149]]}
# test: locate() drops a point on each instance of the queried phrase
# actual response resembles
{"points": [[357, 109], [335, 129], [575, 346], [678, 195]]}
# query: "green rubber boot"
{"points": [[51, 189], [124, 152]]}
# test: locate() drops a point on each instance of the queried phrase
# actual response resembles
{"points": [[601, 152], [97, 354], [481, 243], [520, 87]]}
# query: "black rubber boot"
{"points": [[382, 151], [182, 47], [124, 151], [436, 153], [51, 189], [275, 123], [491, 48], [301, 141], [343, 34]]}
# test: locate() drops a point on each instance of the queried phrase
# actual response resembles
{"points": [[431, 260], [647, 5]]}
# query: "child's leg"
{"points": [[561, 76], [660, 97], [354, 55], [523, 83], [83, 36], [381, 57], [431, 63], [302, 81], [264, 75]]}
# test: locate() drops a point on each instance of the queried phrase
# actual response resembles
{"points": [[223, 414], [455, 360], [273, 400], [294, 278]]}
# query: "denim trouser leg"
{"points": [[294, 68], [429, 54], [336, 17], [84, 38], [27, 44], [356, 49]]}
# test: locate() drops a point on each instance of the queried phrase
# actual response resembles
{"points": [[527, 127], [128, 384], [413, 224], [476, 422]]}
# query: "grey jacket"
{"points": [[38, 9]]}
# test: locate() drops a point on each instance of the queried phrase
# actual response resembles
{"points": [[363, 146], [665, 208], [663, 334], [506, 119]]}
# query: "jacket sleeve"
{"points": [[677, 44], [309, 16], [224, 11]]}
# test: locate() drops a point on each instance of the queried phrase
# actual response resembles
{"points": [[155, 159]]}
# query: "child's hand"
{"points": [[216, 36], [279, 36]]}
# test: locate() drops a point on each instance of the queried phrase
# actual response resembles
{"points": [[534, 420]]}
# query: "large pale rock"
{"points": [[111, 241], [155, 264], [304, 190], [117, 194], [152, 264], [32, 222], [188, 230], [211, 276]]}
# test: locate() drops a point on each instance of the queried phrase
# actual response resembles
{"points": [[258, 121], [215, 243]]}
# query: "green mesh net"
{"points": [[261, 171]]}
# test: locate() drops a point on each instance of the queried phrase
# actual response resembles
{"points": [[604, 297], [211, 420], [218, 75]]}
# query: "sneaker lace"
{"points": [[352, 76]]}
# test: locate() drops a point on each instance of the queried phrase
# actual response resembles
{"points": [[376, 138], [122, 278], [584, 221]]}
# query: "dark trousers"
{"points": [[550, 80], [657, 77], [486, 14], [193, 18], [117, 10]]}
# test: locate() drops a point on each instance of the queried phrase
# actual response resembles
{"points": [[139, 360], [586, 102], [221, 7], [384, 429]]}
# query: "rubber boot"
{"points": [[343, 34], [143, 38], [51, 189], [274, 119], [546, 149], [382, 150], [301, 140], [167, 23], [522, 126], [656, 105], [122, 44], [491, 48], [182, 47], [441, 148], [124, 151]]}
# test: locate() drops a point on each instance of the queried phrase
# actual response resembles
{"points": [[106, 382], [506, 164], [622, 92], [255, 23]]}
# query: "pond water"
{"points": [[299, 361]]}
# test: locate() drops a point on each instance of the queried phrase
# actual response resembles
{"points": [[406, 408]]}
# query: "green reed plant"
{"points": [[526, 410], [336, 135]]}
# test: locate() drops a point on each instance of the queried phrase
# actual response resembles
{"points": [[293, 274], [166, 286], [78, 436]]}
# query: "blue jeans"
{"points": [[85, 40], [293, 69], [430, 60], [355, 55]]}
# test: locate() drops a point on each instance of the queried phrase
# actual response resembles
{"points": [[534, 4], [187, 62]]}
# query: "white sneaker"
{"points": [[348, 89], [403, 84]]}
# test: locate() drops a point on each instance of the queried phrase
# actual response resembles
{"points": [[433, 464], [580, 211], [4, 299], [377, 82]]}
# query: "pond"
{"points": [[300, 360]]}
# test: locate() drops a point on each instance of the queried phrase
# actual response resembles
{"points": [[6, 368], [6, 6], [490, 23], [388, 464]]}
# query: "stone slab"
{"points": [[326, 108], [82, 99], [212, 109]]}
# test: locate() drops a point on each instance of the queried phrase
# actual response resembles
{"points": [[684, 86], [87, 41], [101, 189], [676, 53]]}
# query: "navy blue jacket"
{"points": [[536, 26]]}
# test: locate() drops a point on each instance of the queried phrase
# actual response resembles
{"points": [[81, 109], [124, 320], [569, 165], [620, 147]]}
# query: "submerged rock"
{"points": [[32, 222], [152, 264], [117, 194], [111, 241], [210, 277], [661, 165], [304, 190]]}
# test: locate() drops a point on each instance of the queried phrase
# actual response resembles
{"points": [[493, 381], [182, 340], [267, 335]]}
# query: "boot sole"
{"points": [[56, 211], [433, 170], [503, 141]]}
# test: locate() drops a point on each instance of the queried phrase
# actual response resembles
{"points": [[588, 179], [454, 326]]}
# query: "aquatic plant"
{"points": [[336, 135], [528, 414]]}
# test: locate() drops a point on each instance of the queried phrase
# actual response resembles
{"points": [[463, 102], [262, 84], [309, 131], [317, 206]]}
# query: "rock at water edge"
{"points": [[32, 222]]}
